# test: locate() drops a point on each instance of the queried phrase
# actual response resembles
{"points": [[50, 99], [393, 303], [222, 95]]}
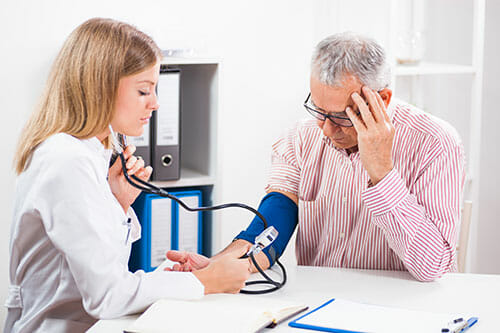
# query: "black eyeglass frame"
{"points": [[323, 116]]}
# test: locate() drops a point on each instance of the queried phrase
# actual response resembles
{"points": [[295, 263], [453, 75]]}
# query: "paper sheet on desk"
{"points": [[345, 316], [214, 313]]}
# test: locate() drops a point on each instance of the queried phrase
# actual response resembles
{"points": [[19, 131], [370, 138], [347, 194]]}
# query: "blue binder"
{"points": [[159, 218]]}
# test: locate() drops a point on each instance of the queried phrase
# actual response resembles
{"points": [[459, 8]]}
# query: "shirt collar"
{"points": [[391, 108], [342, 151], [96, 146]]}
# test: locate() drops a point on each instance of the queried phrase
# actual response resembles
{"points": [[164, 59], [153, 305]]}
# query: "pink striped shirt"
{"points": [[408, 221]]}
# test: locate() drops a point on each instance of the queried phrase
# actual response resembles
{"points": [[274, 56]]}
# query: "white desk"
{"points": [[474, 294]]}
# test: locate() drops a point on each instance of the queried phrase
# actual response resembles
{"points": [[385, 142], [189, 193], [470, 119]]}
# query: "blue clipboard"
{"points": [[295, 324], [337, 317]]}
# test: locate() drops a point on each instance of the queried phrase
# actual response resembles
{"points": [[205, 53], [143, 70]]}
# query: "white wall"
{"points": [[488, 231]]}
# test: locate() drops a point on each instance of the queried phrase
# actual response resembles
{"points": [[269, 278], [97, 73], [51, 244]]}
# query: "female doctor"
{"points": [[70, 238]]}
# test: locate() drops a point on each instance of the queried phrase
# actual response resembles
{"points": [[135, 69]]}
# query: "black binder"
{"points": [[165, 144]]}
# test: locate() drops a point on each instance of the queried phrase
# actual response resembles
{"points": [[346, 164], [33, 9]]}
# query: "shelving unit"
{"points": [[198, 132], [433, 83], [188, 178]]}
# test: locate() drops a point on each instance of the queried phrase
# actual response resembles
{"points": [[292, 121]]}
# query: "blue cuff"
{"points": [[281, 213]]}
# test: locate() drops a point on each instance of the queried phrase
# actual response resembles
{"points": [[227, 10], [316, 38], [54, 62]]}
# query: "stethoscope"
{"points": [[262, 241]]}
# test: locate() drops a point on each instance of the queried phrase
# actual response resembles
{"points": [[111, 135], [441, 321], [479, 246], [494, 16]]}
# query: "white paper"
{"points": [[360, 317], [167, 124], [161, 226], [213, 313], [140, 141], [188, 225]]}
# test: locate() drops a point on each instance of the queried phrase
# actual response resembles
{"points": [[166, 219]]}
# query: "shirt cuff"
{"points": [[386, 195], [176, 285]]}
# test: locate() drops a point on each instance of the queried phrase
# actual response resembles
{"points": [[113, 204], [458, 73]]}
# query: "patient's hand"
{"points": [[186, 261]]}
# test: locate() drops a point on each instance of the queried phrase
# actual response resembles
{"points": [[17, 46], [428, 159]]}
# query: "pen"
{"points": [[128, 229], [470, 322], [459, 325]]}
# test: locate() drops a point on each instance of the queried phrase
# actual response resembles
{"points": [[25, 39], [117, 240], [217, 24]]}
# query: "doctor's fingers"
{"points": [[233, 275], [131, 162], [134, 164], [244, 266], [129, 151], [144, 173], [239, 251]]}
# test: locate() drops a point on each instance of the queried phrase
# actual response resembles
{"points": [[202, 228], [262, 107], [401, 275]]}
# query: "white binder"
{"points": [[166, 128], [161, 229], [188, 225]]}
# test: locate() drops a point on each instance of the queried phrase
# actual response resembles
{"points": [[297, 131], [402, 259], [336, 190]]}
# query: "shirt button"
{"points": [[344, 199], [342, 234]]}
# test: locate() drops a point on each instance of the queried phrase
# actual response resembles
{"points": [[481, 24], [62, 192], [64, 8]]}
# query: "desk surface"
{"points": [[474, 294]]}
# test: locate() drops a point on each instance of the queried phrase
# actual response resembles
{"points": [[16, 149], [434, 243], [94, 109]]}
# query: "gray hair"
{"points": [[349, 54]]}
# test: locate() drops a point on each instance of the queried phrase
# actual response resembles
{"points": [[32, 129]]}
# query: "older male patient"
{"points": [[371, 182]]}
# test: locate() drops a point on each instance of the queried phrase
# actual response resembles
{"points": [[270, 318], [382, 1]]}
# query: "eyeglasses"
{"points": [[340, 119]]}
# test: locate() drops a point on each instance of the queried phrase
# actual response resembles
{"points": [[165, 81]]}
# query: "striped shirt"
{"points": [[407, 221]]}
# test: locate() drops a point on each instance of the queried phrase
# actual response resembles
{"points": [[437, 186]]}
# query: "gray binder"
{"points": [[165, 152]]}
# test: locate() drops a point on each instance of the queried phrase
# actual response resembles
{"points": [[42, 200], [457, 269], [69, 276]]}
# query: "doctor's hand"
{"points": [[375, 134], [186, 261], [225, 274], [121, 189]]}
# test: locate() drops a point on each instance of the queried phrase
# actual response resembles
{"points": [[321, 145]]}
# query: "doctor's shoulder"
{"points": [[61, 155]]}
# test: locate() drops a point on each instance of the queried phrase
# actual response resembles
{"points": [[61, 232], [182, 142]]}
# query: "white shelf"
{"points": [[426, 68], [188, 61], [188, 178]]}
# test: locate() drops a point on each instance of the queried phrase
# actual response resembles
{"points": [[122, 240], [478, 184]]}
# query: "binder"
{"points": [[142, 143], [165, 152], [156, 215], [165, 226], [188, 225]]}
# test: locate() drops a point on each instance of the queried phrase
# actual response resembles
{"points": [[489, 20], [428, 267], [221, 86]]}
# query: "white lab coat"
{"points": [[69, 255]]}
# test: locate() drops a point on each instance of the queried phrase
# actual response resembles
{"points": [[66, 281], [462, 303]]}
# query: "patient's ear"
{"points": [[386, 95]]}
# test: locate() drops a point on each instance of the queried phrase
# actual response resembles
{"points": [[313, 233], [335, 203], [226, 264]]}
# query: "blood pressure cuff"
{"points": [[280, 212]]}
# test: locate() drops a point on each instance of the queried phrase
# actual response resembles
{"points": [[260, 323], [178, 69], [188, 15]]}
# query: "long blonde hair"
{"points": [[79, 97]]}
